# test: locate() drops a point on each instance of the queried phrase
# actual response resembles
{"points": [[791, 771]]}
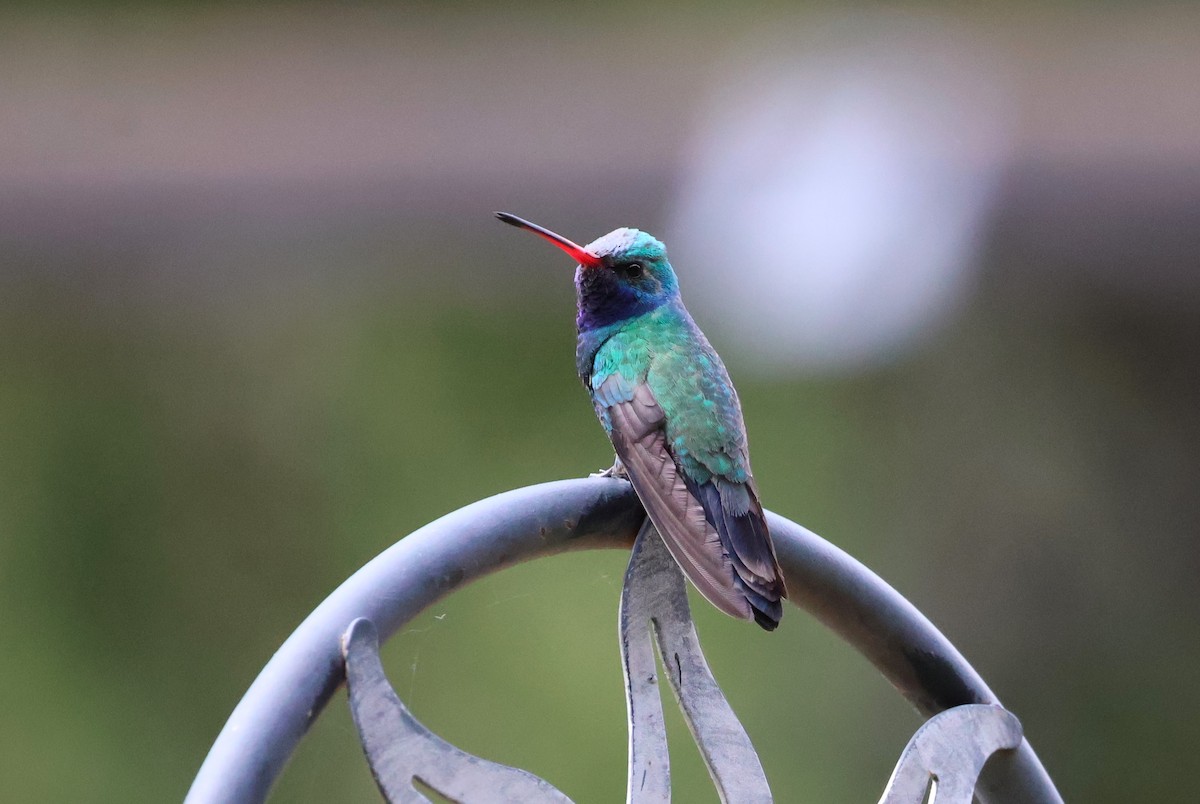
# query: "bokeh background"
{"points": [[256, 323]]}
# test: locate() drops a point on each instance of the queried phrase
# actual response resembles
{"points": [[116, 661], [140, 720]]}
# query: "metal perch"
{"points": [[551, 518]]}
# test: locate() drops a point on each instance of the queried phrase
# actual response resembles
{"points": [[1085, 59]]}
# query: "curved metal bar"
{"points": [[586, 513], [412, 574]]}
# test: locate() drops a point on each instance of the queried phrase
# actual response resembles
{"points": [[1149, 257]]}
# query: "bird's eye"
{"points": [[634, 270]]}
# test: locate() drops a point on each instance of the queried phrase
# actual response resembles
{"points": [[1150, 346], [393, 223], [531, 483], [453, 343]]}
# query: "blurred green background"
{"points": [[256, 324]]}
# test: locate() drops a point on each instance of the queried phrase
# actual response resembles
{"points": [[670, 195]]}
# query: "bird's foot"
{"points": [[617, 470]]}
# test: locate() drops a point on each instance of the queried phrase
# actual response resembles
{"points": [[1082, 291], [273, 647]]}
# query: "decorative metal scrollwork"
{"points": [[654, 605], [947, 754], [401, 751]]}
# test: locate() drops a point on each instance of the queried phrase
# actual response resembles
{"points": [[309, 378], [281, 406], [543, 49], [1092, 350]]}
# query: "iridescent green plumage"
{"points": [[667, 404], [666, 350]]}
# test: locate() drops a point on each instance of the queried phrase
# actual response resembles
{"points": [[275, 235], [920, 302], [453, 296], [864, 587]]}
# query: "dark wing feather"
{"points": [[734, 511], [637, 434]]}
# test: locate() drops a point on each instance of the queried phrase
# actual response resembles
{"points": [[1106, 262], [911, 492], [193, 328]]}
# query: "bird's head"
{"points": [[621, 275]]}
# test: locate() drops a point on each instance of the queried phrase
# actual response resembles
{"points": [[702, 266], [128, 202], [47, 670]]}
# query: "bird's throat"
{"points": [[602, 300]]}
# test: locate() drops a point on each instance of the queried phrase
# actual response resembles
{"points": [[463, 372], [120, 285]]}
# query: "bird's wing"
{"points": [[733, 509], [636, 426], [707, 438]]}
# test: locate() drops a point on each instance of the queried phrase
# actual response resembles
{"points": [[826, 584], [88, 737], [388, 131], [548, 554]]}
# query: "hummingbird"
{"points": [[667, 404]]}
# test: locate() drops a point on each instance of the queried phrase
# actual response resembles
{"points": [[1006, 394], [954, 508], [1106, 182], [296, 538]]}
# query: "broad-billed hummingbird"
{"points": [[666, 402]]}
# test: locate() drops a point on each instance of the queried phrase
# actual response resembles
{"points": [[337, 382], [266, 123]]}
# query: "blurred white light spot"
{"points": [[830, 212]]}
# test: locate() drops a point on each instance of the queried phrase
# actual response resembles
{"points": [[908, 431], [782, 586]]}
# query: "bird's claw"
{"points": [[617, 470]]}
